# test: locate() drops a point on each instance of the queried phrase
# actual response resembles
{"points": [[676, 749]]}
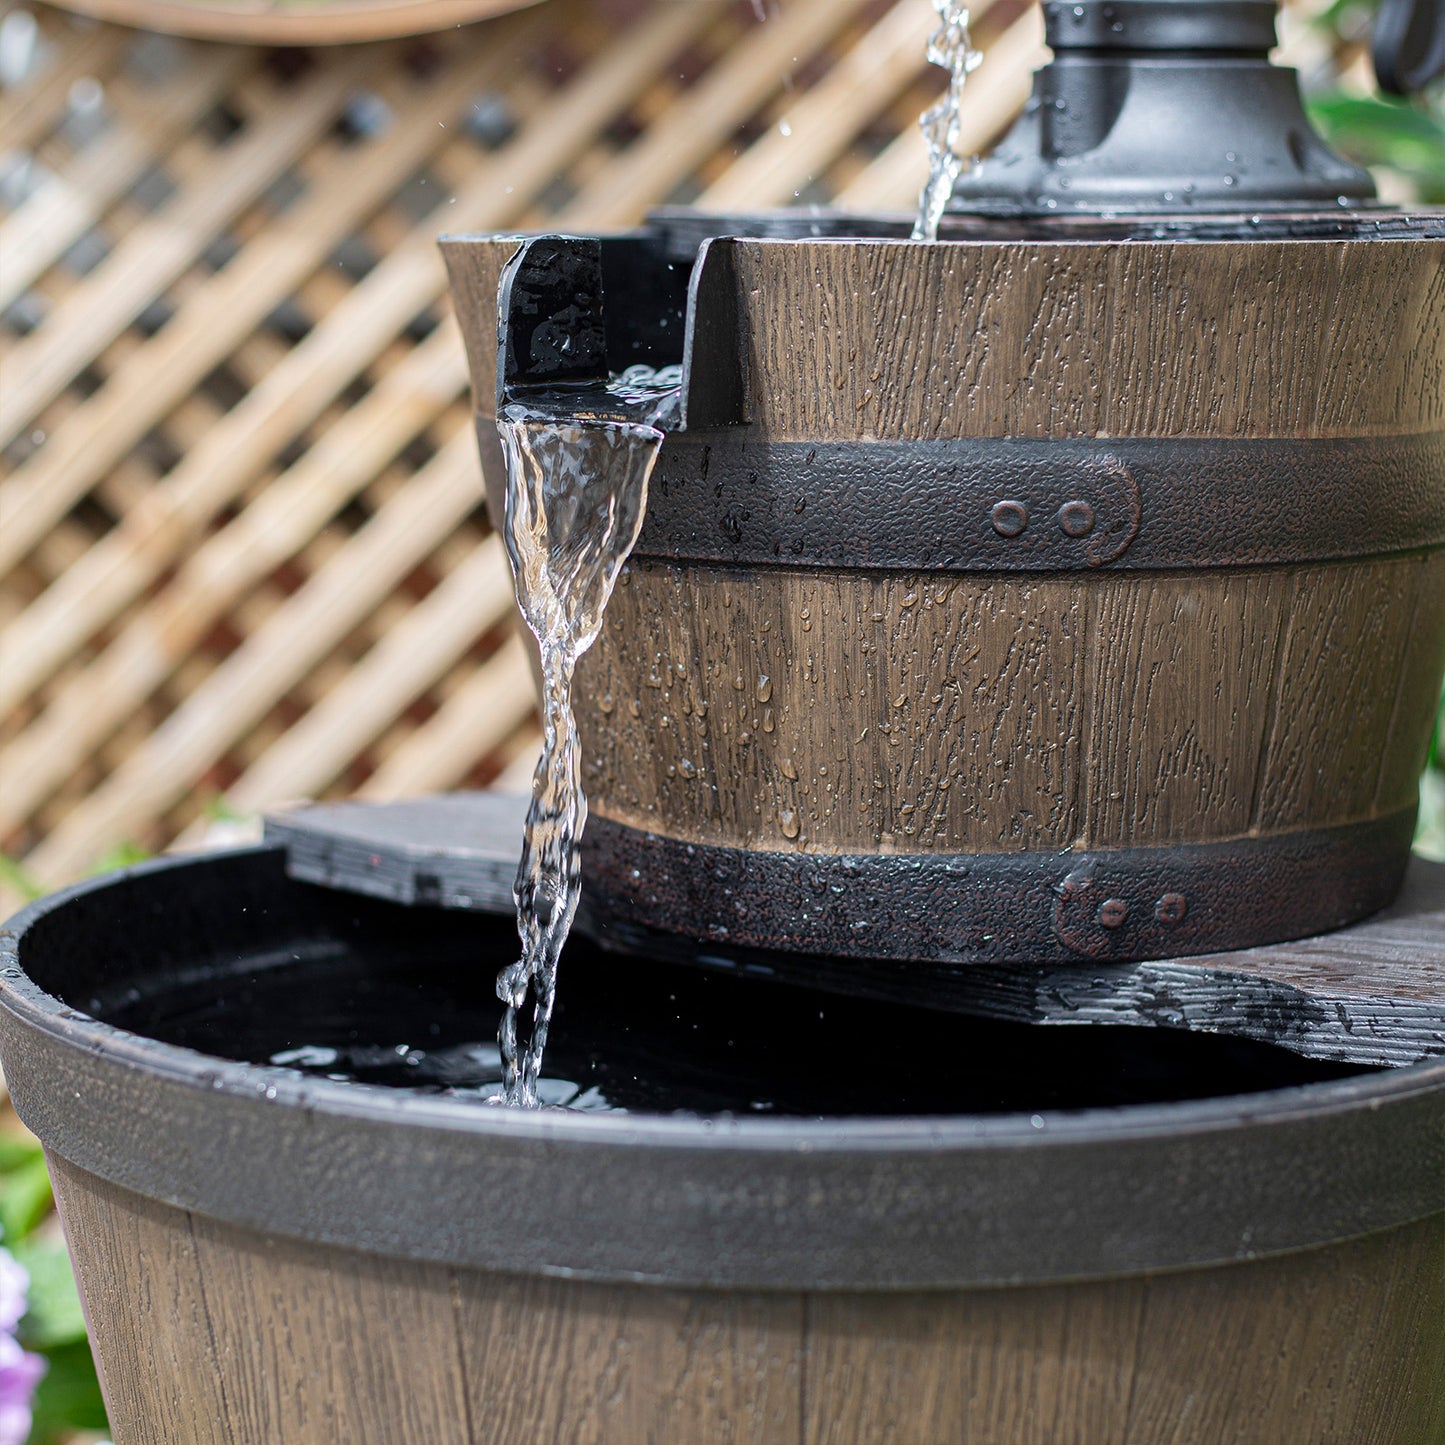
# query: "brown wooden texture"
{"points": [[208, 1333], [870, 711], [292, 22], [235, 400], [1185, 340]]}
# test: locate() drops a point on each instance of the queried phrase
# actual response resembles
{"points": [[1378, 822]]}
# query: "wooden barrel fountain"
{"points": [[1071, 586], [1013, 599], [1128, 1235]]}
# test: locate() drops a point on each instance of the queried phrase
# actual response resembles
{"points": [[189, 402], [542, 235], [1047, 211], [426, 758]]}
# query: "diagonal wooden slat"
{"points": [[409, 659], [290, 642], [150, 118], [154, 253]]}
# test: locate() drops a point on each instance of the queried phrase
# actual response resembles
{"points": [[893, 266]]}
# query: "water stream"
{"points": [[578, 463], [950, 46]]}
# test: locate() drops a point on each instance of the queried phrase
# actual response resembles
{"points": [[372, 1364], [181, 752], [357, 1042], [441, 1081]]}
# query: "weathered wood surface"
{"points": [[835, 711], [1290, 339], [211, 1335], [1373, 993]]}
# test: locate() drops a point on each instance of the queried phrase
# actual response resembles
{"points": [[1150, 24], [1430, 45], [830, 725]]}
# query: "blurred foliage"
{"points": [[1430, 833], [68, 1397], [1401, 141]]}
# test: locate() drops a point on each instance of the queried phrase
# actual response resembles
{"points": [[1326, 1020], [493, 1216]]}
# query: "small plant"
{"points": [[48, 1385]]}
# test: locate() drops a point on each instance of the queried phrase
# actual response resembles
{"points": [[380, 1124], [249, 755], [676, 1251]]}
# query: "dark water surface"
{"points": [[386, 1008]]}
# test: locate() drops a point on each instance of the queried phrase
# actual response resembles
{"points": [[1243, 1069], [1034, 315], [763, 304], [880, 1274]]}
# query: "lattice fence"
{"points": [[240, 531]]}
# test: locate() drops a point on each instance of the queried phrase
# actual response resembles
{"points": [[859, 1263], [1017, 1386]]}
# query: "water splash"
{"points": [[950, 46], [576, 498]]}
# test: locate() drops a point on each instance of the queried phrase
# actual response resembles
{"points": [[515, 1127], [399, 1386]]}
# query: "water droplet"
{"points": [[767, 719], [788, 822], [687, 769], [606, 702], [765, 687]]}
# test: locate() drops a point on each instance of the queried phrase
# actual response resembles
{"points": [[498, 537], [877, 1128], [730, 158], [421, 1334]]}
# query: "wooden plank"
{"points": [[823, 325], [711, 706], [1039, 1366], [156, 637], [613, 1365], [155, 252], [1348, 628], [1361, 1327], [1337, 1344], [474, 722], [1408, 740], [618, 193], [409, 658], [824, 120], [319, 1345], [148, 118], [244, 687], [30, 111], [221, 312], [1181, 685], [151, 1325]]}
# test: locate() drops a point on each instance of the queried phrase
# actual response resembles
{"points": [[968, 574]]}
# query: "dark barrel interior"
{"points": [[232, 958]]}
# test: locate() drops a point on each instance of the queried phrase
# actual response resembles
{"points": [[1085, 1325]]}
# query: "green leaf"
{"points": [[14, 877], [120, 855], [25, 1199], [217, 810], [68, 1398], [54, 1316], [17, 1153]]}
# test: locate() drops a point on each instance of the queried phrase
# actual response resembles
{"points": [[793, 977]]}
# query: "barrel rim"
{"points": [[903, 1202]]}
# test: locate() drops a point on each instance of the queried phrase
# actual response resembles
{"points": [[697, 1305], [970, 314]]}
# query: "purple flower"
{"points": [[20, 1371]]}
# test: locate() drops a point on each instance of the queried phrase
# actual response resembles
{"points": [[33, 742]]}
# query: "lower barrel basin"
{"points": [[766, 1216]]}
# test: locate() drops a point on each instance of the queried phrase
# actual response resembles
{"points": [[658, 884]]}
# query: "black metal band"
{"points": [[950, 909], [854, 1204], [1015, 505]]}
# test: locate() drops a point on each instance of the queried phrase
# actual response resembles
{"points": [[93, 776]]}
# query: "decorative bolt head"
{"points": [[1010, 518], [1171, 908], [1076, 518], [1113, 912]]}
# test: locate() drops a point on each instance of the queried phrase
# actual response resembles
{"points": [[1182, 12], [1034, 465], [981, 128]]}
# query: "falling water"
{"points": [[951, 47], [576, 497]]}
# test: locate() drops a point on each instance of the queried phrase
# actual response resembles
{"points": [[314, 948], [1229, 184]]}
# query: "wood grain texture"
{"points": [[1181, 688], [1338, 677], [603, 1365], [1263, 339], [1423, 662], [894, 712], [211, 1335], [150, 1329], [838, 711], [1341, 1346]]}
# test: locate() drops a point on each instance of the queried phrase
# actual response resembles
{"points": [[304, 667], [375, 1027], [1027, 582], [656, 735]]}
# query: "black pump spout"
{"points": [[1160, 107]]}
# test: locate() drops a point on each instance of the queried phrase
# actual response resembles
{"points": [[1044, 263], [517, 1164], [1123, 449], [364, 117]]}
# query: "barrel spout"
{"points": [[571, 312]]}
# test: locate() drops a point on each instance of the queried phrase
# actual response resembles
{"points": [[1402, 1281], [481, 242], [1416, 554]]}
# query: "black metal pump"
{"points": [[1172, 106]]}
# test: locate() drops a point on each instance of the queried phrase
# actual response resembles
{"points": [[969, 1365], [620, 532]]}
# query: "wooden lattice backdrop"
{"points": [[242, 548]]}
